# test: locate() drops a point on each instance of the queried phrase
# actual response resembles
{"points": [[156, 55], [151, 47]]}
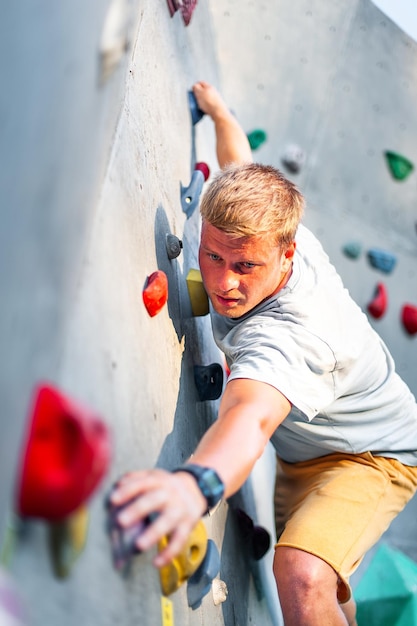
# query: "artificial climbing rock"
{"points": [[399, 166], [409, 318], [378, 304], [294, 158], [256, 138], [382, 260], [209, 381], [352, 249], [66, 455], [155, 293], [186, 563], [198, 296]]}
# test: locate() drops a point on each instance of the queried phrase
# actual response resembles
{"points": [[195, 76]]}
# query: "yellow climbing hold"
{"points": [[67, 539], [198, 296], [173, 575]]}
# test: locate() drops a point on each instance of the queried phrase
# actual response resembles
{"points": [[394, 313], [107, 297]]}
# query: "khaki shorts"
{"points": [[338, 506]]}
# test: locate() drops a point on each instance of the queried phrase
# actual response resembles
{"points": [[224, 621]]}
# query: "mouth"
{"points": [[227, 302]]}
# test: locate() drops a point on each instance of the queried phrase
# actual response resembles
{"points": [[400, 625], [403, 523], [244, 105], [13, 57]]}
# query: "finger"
{"points": [[176, 542], [134, 484]]}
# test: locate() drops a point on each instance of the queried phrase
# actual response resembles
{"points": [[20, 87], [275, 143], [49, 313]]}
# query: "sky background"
{"points": [[402, 12]]}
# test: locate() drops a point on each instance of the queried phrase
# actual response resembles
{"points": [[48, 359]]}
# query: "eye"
{"points": [[247, 265], [213, 257]]}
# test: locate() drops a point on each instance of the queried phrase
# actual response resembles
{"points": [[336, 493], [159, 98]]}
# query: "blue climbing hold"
{"points": [[199, 584], [190, 195], [382, 260], [196, 112]]}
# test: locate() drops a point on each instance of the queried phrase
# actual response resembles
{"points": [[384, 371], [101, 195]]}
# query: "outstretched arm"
{"points": [[249, 413], [232, 144]]}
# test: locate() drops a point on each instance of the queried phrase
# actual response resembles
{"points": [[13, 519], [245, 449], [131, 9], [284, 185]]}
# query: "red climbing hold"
{"points": [[409, 318], [203, 167], [378, 305], [155, 293], [67, 453]]}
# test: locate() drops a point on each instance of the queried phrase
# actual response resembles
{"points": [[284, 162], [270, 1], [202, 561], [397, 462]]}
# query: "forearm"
{"points": [[232, 145], [249, 414], [231, 446]]}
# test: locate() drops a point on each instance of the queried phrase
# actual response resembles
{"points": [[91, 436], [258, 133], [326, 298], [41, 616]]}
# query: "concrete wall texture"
{"points": [[91, 165]]}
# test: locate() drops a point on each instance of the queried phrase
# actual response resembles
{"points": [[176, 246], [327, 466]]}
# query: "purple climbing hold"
{"points": [[122, 540]]}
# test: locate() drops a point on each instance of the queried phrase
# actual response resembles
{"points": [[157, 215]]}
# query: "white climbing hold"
{"points": [[220, 591]]}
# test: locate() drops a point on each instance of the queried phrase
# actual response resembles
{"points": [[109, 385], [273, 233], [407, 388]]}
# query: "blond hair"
{"points": [[253, 199]]}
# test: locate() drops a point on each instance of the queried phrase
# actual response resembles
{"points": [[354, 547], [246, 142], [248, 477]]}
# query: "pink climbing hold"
{"points": [[185, 6], [409, 318], [203, 167], [155, 293], [378, 305]]}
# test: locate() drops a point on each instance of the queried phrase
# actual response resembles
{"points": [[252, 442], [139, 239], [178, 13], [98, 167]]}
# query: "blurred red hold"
{"points": [[203, 167], [409, 318], [378, 305], [155, 293], [67, 453]]}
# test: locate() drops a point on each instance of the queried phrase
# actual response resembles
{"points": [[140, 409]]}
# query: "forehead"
{"points": [[214, 239]]}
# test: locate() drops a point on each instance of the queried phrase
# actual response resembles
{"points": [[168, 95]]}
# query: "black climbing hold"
{"points": [[257, 539], [173, 246], [209, 381]]}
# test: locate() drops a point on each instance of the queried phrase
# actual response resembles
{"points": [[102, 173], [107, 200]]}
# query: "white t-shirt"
{"points": [[313, 343]]}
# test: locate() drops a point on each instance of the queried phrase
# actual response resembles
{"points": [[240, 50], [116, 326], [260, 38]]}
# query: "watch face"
{"points": [[212, 487]]}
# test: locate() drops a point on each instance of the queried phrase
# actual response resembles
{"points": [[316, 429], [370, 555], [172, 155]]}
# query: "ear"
{"points": [[287, 257], [290, 251]]}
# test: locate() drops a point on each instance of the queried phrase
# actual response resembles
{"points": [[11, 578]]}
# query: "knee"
{"points": [[302, 575]]}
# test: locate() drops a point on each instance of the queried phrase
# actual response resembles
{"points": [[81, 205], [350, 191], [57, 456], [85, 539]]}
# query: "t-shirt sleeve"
{"points": [[297, 363]]}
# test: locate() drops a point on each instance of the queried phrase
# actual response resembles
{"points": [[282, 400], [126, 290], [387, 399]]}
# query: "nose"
{"points": [[228, 281]]}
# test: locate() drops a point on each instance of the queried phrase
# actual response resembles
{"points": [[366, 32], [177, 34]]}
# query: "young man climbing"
{"points": [[307, 372]]}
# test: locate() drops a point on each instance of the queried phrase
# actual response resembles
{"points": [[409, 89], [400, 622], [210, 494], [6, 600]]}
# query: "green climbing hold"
{"points": [[256, 138], [386, 594], [399, 166], [352, 249]]}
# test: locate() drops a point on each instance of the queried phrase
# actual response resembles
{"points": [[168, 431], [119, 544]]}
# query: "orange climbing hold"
{"points": [[378, 305], [409, 318], [155, 294]]}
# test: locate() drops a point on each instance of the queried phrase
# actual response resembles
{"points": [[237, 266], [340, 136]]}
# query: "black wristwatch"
{"points": [[208, 480]]}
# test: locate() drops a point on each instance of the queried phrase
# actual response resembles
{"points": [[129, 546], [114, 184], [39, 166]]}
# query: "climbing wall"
{"points": [[98, 147], [98, 160]]}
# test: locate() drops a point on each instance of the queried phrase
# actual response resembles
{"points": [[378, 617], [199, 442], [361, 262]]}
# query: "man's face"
{"points": [[239, 273]]}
